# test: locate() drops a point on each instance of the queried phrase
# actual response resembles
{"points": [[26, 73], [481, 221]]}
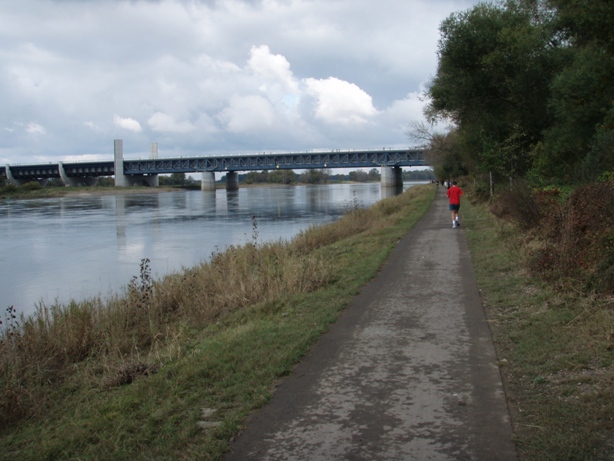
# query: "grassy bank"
{"points": [[556, 349], [171, 368], [19, 193]]}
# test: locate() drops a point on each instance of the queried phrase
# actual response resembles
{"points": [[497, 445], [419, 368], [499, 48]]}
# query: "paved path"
{"points": [[407, 373]]}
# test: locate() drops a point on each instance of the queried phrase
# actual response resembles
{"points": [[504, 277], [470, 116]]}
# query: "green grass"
{"points": [[215, 371], [555, 350]]}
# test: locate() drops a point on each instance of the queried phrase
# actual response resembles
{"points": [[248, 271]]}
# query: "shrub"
{"points": [[33, 185], [9, 189], [520, 205], [570, 240]]}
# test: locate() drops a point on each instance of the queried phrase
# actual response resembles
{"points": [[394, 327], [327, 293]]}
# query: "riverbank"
{"points": [[172, 368], [179, 385], [16, 193]]}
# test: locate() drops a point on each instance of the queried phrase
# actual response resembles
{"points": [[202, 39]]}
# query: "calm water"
{"points": [[80, 247]]}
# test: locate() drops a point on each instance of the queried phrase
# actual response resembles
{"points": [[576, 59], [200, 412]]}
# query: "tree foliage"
{"points": [[442, 150], [529, 86]]}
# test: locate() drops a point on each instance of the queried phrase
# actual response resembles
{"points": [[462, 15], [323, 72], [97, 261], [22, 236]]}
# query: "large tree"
{"points": [[493, 77], [530, 86], [578, 144]]}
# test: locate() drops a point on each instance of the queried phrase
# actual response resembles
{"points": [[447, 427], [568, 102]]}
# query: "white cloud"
{"points": [[340, 102], [246, 114], [229, 75], [35, 128], [165, 123], [127, 124], [402, 111], [272, 67]]}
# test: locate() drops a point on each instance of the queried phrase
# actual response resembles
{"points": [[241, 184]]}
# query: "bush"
{"points": [[9, 189], [520, 205], [572, 240], [33, 185]]}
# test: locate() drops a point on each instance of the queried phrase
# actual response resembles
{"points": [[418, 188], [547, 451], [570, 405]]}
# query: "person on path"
{"points": [[455, 193]]}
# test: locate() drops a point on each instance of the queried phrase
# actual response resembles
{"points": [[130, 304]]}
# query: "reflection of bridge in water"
{"points": [[146, 171]]}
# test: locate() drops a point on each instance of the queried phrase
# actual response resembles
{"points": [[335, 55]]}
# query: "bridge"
{"points": [[146, 171]]}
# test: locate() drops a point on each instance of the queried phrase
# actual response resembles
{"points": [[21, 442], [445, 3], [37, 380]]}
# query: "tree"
{"points": [[576, 145], [282, 176], [358, 176], [494, 71], [314, 176], [443, 149], [374, 175]]}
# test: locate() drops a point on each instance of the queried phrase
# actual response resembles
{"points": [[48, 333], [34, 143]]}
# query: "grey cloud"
{"points": [[181, 70]]}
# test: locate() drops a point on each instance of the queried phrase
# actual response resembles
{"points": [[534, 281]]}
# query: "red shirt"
{"points": [[455, 193]]}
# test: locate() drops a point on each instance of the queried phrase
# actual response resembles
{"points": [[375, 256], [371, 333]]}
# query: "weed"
{"points": [[254, 230]]}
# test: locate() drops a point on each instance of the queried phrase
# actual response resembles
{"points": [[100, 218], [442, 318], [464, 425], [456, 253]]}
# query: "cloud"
{"points": [[229, 75], [340, 102], [127, 124], [35, 128], [246, 114], [272, 67], [165, 123]]}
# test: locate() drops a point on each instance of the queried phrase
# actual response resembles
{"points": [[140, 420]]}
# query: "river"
{"points": [[78, 247]]}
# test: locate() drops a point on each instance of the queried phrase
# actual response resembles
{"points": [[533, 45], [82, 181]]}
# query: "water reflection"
{"points": [[232, 201], [120, 221], [391, 191], [79, 247]]}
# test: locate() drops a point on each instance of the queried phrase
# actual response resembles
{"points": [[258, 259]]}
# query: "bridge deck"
{"points": [[307, 160]]}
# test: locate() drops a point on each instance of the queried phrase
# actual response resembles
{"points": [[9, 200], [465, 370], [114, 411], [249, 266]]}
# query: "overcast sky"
{"points": [[209, 77]]}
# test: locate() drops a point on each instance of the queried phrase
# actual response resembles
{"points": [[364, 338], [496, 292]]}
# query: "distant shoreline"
{"points": [[84, 191]]}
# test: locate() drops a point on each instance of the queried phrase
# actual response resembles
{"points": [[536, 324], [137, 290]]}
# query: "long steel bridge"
{"points": [[134, 171]]}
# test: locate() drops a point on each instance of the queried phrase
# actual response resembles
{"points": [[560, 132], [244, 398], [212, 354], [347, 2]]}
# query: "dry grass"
{"points": [[110, 341], [554, 344]]}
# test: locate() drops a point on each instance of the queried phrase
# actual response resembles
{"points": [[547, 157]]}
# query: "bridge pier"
{"points": [[207, 180], [232, 180], [392, 176], [123, 180], [12, 180], [72, 182]]}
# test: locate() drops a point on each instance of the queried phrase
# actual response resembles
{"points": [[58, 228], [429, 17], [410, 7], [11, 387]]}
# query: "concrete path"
{"points": [[407, 373]]}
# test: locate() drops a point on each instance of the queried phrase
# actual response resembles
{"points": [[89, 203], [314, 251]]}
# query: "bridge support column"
{"points": [[207, 180], [121, 179], [64, 177], [9, 176], [392, 176], [232, 180]]}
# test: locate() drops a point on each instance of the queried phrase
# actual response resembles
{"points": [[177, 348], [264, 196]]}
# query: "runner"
{"points": [[455, 193]]}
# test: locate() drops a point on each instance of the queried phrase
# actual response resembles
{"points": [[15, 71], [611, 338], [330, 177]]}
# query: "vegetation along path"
{"points": [[407, 373]]}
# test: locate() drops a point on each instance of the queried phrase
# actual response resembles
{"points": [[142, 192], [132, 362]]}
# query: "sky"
{"points": [[212, 77]]}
